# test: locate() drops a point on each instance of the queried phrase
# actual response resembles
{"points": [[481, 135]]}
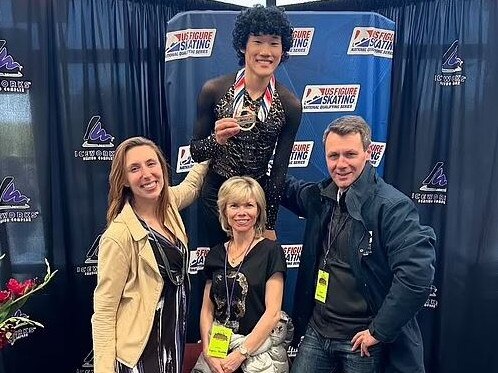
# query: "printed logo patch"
{"points": [[184, 160], [301, 41], [451, 67], [14, 204], [10, 72], [434, 187], [96, 142], [292, 255], [189, 43], [197, 260], [330, 98], [301, 154], [377, 150], [372, 41]]}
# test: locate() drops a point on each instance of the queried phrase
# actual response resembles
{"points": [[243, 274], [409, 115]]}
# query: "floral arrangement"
{"points": [[12, 299]]}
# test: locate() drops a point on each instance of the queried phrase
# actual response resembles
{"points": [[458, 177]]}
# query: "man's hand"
{"points": [[363, 340], [224, 129]]}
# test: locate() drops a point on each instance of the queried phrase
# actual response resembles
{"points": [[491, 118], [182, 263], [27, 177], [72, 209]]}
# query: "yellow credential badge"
{"points": [[322, 284], [219, 341]]}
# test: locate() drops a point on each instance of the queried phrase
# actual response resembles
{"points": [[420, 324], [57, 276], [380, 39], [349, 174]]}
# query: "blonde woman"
{"points": [[141, 298], [245, 280]]}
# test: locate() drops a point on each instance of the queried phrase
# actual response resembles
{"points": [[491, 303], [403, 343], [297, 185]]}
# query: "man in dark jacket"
{"points": [[366, 266]]}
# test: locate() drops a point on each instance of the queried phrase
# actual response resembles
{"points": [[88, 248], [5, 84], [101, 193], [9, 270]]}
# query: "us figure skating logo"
{"points": [[10, 72], [371, 41], [292, 255], [189, 43], [451, 67], [14, 205], [197, 260], [95, 138], [301, 153], [330, 98], [184, 161], [377, 150], [301, 41]]}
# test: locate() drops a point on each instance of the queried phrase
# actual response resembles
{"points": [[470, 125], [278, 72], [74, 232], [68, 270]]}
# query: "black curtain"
{"points": [[91, 75], [96, 66], [443, 152], [445, 121]]}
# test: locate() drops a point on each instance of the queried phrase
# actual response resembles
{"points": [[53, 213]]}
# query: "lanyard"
{"points": [[230, 297], [176, 280], [331, 240]]}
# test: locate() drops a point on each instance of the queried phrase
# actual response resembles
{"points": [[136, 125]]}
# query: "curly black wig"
{"points": [[259, 20]]}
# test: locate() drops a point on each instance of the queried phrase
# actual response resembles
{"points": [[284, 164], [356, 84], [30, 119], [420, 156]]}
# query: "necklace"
{"points": [[234, 259], [176, 278], [230, 294]]}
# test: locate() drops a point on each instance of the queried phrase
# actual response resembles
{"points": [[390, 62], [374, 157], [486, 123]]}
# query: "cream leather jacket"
{"points": [[129, 284]]}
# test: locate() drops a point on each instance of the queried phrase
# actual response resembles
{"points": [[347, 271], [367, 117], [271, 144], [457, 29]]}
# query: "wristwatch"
{"points": [[243, 350]]}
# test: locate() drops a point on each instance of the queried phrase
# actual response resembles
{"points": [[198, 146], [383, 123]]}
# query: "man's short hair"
{"points": [[349, 124]]}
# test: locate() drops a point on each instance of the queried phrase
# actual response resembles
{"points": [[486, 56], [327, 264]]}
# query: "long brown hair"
{"points": [[119, 194]]}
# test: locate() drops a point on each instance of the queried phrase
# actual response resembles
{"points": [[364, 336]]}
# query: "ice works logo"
{"points": [[432, 301], [87, 366], [451, 67], [91, 259], [10, 72], [434, 186], [21, 332], [14, 205], [95, 138]]}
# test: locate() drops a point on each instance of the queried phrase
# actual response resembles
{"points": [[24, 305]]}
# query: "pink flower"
{"points": [[4, 296], [20, 288]]}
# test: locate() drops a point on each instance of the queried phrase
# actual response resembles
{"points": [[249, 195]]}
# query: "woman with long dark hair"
{"points": [[140, 302]]}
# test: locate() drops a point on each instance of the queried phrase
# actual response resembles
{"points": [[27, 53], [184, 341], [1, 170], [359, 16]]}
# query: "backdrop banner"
{"points": [[340, 64]]}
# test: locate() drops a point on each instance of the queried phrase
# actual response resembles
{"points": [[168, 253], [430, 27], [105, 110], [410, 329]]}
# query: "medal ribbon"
{"points": [[239, 89]]}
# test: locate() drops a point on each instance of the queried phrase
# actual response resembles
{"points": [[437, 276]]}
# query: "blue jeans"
{"points": [[318, 354]]}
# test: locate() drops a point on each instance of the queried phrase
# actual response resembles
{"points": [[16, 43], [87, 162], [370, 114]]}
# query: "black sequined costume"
{"points": [[249, 152]]}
